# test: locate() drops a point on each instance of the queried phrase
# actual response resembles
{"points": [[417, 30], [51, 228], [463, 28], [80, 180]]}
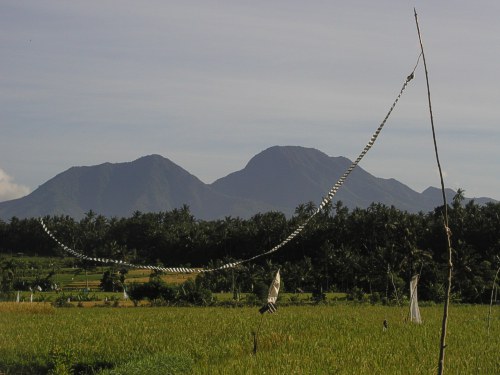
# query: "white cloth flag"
{"points": [[272, 296], [414, 310], [274, 289]]}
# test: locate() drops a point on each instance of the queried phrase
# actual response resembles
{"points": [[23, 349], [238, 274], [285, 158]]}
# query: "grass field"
{"points": [[338, 339]]}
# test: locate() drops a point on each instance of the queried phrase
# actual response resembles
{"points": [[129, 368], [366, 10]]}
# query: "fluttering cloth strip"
{"points": [[272, 295], [414, 310], [268, 307], [274, 289], [327, 199]]}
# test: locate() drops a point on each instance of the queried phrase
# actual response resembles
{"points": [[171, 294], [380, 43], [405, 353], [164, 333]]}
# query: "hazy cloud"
{"points": [[10, 190]]}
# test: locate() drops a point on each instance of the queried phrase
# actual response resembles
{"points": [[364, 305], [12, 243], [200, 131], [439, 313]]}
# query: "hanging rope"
{"points": [[327, 199]]}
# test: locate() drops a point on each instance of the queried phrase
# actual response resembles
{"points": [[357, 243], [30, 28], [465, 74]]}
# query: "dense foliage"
{"points": [[158, 292], [374, 250]]}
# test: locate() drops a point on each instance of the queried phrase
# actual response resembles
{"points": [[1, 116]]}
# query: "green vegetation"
{"points": [[356, 252], [343, 338], [340, 280]]}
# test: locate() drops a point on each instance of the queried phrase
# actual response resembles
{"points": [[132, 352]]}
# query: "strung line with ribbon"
{"points": [[327, 199]]}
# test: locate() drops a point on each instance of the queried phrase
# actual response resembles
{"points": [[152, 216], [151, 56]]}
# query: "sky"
{"points": [[209, 84]]}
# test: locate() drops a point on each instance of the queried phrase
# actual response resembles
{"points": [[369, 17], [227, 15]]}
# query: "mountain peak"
{"points": [[150, 157], [296, 152], [279, 178]]}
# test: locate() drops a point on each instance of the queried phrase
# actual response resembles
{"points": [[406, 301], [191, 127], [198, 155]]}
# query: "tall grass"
{"points": [[26, 308], [339, 339]]}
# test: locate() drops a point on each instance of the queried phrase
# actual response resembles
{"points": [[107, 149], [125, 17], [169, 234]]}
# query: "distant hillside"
{"points": [[433, 194], [149, 184], [289, 175], [279, 178]]}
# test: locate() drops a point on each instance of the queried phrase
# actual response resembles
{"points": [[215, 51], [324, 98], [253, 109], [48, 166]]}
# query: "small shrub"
{"points": [[295, 299], [318, 296], [260, 290], [62, 301], [356, 294], [194, 294], [252, 300], [375, 298], [60, 361]]}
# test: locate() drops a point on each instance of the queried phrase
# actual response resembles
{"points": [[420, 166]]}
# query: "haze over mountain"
{"points": [[277, 179]]}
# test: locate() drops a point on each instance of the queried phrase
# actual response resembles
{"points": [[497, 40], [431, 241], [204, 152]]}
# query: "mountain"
{"points": [[277, 179], [433, 194], [285, 176], [149, 184]]}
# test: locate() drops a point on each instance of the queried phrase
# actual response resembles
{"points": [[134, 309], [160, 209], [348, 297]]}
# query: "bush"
{"points": [[375, 298], [60, 361], [261, 290], [110, 282], [252, 300], [318, 295], [194, 294], [161, 294], [356, 294], [151, 290], [62, 301]]}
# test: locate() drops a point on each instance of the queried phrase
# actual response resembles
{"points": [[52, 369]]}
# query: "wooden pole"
{"points": [[493, 288], [255, 333], [444, 324]]}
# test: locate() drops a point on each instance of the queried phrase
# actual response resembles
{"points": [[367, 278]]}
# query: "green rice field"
{"points": [[340, 338]]}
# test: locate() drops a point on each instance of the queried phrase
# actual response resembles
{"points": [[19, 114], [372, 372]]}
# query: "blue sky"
{"points": [[209, 84]]}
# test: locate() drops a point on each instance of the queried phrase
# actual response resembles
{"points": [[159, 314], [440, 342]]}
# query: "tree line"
{"points": [[374, 250]]}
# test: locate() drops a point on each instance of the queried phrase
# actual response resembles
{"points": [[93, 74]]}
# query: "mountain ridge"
{"points": [[277, 179]]}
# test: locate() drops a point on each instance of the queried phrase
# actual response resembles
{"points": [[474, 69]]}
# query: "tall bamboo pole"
{"points": [[445, 216], [493, 288]]}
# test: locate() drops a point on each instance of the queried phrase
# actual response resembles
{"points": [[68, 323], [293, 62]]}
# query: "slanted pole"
{"points": [[444, 324]]}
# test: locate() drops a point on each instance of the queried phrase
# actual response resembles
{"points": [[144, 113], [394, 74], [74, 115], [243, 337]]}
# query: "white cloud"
{"points": [[10, 190]]}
